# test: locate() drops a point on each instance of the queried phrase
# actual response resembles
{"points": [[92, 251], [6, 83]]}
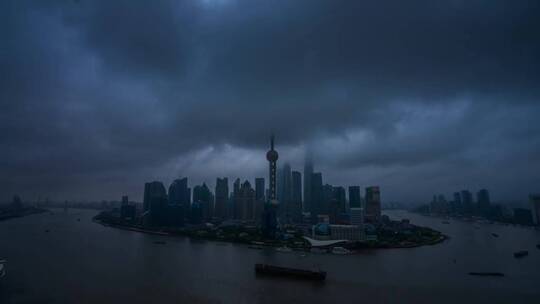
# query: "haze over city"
{"points": [[416, 97], [269, 151]]}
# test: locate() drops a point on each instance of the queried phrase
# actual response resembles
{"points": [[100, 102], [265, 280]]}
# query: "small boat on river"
{"points": [[487, 274], [2, 269], [521, 254]]}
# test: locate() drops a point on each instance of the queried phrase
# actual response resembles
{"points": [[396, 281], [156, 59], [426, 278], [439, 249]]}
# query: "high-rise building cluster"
{"points": [[463, 204], [289, 199]]}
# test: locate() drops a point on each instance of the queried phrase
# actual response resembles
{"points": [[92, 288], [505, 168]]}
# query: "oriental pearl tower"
{"points": [[269, 219], [272, 157]]}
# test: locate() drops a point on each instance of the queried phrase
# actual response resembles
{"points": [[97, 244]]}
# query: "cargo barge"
{"points": [[521, 254], [264, 269], [487, 274]]}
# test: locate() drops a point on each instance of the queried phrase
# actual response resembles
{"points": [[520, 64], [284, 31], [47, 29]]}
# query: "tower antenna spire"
{"points": [[272, 157]]}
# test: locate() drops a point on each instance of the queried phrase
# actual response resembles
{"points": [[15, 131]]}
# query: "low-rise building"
{"points": [[337, 232]]}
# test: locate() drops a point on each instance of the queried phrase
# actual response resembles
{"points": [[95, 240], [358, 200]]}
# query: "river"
{"points": [[84, 262]]}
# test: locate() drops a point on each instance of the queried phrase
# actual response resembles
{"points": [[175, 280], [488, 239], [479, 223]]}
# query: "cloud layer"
{"points": [[418, 97]]}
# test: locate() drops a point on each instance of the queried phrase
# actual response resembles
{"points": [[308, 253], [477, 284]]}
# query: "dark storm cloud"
{"points": [[98, 96]]}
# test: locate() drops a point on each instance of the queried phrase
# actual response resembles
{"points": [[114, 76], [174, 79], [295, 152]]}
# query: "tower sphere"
{"points": [[272, 155]]}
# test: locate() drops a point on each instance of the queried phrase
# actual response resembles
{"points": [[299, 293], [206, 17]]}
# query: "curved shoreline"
{"points": [[368, 245], [22, 213]]}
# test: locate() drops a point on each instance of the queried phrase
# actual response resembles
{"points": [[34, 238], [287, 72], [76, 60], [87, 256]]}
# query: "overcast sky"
{"points": [[419, 97]]}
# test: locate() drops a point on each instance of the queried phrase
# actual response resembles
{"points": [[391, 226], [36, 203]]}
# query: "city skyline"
{"points": [[268, 211], [211, 184]]}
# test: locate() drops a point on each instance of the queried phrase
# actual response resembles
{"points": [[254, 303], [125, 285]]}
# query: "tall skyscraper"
{"points": [[296, 186], [259, 188], [341, 199], [355, 200], [180, 194], [155, 201], [246, 202], [259, 197], [236, 186], [316, 196], [153, 191], [327, 199], [146, 197], [308, 171], [205, 200], [179, 202], [535, 208], [373, 204], [295, 209], [284, 185], [235, 210], [222, 198]]}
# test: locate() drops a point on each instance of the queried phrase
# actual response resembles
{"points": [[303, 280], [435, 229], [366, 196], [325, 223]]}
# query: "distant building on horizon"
{"points": [[523, 216], [483, 202], [439, 205], [467, 202], [457, 205], [127, 211], [235, 210], [534, 200]]}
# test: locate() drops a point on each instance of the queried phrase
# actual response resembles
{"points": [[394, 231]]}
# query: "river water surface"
{"points": [[84, 262]]}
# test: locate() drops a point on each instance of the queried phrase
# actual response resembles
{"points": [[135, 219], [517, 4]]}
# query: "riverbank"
{"points": [[249, 235], [11, 214]]}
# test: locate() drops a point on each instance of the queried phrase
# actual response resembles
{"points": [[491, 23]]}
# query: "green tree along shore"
{"points": [[390, 235]]}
